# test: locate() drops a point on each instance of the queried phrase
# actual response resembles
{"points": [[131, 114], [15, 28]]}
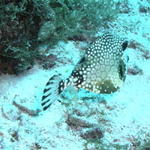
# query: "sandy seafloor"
{"points": [[124, 117]]}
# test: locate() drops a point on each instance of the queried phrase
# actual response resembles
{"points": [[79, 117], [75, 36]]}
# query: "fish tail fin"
{"points": [[52, 90]]}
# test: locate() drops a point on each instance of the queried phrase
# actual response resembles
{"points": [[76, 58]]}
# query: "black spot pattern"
{"points": [[77, 78], [100, 70], [61, 86]]}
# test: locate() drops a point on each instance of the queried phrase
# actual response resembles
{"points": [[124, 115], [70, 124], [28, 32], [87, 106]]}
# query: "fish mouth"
{"points": [[124, 45]]}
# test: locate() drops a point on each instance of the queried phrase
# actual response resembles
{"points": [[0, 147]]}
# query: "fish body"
{"points": [[101, 70]]}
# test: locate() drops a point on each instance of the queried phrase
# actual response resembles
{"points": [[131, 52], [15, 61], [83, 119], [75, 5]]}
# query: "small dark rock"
{"points": [[124, 8], [92, 134], [78, 112], [49, 61], [15, 136], [37, 146], [146, 54], [77, 124], [144, 9], [134, 44], [135, 71]]}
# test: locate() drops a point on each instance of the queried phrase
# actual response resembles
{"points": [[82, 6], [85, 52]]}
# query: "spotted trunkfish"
{"points": [[101, 70]]}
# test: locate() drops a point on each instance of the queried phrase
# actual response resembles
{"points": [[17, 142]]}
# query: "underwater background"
{"points": [[43, 38]]}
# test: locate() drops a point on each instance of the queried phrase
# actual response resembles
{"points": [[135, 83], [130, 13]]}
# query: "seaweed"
{"points": [[24, 24]]}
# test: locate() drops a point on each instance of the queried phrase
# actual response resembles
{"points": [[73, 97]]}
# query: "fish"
{"points": [[101, 70]]}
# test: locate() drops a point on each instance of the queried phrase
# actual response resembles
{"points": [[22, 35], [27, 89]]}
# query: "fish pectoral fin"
{"points": [[122, 70]]}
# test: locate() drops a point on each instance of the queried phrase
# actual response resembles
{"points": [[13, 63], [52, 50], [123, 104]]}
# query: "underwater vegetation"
{"points": [[25, 24]]}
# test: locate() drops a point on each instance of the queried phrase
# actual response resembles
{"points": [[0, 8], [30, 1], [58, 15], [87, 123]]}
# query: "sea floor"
{"points": [[106, 122]]}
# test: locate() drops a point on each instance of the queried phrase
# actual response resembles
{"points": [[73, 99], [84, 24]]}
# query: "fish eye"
{"points": [[124, 45]]}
